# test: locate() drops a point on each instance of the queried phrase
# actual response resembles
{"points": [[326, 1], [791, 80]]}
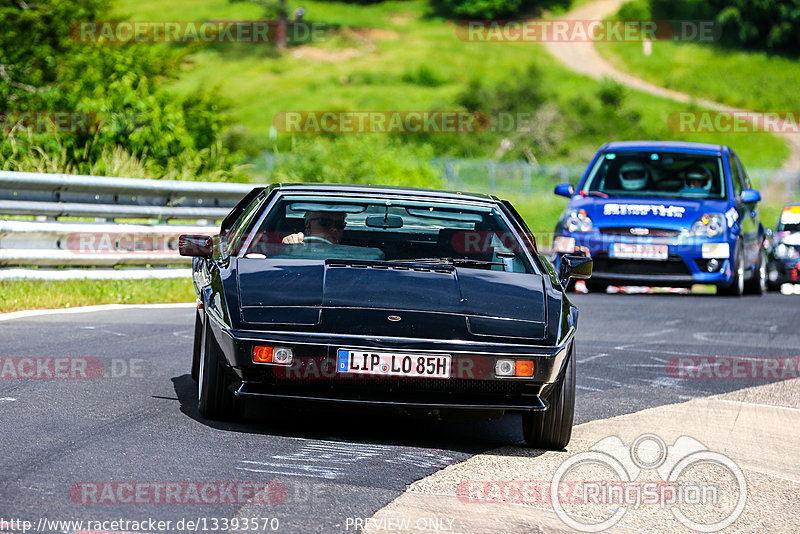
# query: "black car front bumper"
{"points": [[313, 376]]}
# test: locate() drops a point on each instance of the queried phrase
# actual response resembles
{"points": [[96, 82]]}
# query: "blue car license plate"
{"points": [[639, 251]]}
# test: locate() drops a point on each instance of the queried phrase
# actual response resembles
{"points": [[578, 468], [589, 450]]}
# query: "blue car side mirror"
{"points": [[564, 190], [750, 196]]}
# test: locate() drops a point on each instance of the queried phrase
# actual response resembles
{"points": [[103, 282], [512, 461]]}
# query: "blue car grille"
{"points": [[674, 265], [651, 232]]}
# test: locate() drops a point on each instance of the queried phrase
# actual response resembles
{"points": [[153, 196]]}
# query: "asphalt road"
{"points": [[72, 449]]}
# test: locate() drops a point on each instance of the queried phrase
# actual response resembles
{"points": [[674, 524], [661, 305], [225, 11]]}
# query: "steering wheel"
{"points": [[315, 239]]}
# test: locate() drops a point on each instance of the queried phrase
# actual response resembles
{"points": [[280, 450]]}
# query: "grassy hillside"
{"points": [[391, 56], [748, 79]]}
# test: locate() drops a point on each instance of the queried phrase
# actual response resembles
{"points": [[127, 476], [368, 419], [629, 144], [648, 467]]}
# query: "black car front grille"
{"points": [[673, 265], [403, 385]]}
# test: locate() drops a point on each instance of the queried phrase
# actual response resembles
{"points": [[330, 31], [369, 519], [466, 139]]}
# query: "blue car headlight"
{"points": [[578, 221], [786, 252], [708, 225]]}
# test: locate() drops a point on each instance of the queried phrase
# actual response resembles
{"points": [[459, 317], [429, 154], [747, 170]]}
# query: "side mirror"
{"points": [[575, 266], [199, 246], [750, 196], [564, 190]]}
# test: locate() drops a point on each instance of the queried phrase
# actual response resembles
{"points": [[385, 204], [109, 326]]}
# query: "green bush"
{"points": [[45, 70], [529, 120], [767, 25], [358, 159], [492, 9]]}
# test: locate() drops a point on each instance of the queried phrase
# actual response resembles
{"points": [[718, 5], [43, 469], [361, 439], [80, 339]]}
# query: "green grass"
{"points": [[380, 74], [44, 294], [750, 80]]}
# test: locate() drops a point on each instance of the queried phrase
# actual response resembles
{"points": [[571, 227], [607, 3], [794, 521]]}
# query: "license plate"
{"points": [[639, 251], [393, 364]]}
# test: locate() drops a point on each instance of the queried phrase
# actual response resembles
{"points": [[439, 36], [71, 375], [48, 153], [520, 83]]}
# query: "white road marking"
{"points": [[662, 382], [604, 380], [297, 471], [188, 334], [590, 358], [105, 330], [659, 332], [90, 309], [7, 399], [624, 365], [587, 388]]}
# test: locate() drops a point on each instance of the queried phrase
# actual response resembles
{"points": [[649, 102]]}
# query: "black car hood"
{"points": [[357, 297]]}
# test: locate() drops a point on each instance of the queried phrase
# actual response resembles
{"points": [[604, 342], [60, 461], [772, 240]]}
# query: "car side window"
{"points": [[735, 174], [742, 172], [239, 230]]}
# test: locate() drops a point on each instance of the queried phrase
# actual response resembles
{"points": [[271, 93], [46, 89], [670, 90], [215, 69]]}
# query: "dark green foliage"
{"points": [[44, 68], [492, 9], [770, 25], [527, 119]]}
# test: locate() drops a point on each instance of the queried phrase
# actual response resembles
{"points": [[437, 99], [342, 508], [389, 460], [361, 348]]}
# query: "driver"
{"points": [[697, 179], [328, 225], [633, 176]]}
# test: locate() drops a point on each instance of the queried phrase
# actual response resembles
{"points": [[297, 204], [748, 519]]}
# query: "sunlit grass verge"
{"points": [[46, 294]]}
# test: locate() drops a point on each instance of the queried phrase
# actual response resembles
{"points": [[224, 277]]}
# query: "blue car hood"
{"points": [[667, 213]]}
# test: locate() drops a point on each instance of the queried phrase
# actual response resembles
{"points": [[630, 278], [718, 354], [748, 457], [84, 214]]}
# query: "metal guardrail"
{"points": [[45, 246]]}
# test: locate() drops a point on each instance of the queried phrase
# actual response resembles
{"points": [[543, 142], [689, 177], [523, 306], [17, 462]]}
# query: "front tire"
{"points": [[197, 340], [596, 287], [552, 428], [737, 286], [215, 400], [757, 285]]}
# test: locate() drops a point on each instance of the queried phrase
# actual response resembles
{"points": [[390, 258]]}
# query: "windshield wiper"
{"points": [[449, 261]]}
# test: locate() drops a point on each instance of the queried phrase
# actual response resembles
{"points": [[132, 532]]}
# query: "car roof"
{"points": [[361, 189], [668, 146]]}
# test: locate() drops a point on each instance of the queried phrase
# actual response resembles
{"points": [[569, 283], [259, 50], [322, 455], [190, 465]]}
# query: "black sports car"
{"points": [[384, 296]]}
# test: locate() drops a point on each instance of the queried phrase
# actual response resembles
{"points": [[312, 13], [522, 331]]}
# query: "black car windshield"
{"points": [[390, 231], [790, 219], [660, 174]]}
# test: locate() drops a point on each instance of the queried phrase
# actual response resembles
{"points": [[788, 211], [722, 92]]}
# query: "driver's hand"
{"points": [[293, 239]]}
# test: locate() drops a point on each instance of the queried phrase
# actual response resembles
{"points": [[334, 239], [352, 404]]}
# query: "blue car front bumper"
{"points": [[686, 263]]}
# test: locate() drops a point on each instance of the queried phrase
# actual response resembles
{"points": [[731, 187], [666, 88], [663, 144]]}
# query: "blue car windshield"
{"points": [[355, 228], [659, 174]]}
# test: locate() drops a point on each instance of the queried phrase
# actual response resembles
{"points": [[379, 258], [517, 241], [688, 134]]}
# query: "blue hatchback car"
{"points": [[666, 214]]}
